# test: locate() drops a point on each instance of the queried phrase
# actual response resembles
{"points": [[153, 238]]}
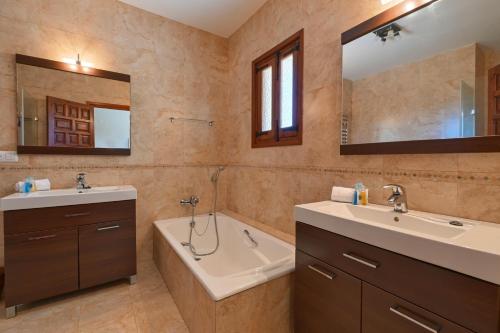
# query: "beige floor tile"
{"points": [[116, 307]]}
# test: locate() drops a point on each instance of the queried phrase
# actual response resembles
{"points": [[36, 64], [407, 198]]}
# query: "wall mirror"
{"points": [[70, 109], [423, 77]]}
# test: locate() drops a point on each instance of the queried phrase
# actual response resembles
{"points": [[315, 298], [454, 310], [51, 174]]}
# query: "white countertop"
{"points": [[67, 197], [473, 249]]}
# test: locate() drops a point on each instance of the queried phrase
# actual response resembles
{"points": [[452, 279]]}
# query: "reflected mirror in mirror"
{"points": [[65, 109], [433, 74]]}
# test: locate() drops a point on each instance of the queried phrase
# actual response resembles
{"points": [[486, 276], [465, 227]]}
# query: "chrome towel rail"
{"points": [[210, 123]]}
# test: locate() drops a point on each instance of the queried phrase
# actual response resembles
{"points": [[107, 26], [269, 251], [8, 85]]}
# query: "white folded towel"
{"points": [[40, 185], [342, 194]]}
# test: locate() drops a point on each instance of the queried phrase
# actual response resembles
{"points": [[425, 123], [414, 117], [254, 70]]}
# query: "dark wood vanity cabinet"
{"points": [[40, 264], [109, 245], [327, 299], [396, 293], [52, 251], [384, 312]]}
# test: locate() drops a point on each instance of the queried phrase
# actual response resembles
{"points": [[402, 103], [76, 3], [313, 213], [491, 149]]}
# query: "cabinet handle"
{"points": [[77, 215], [408, 315], [41, 237], [328, 275], [108, 228], [361, 260]]}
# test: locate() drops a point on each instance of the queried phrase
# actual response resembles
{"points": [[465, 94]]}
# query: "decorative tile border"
{"points": [[483, 178], [103, 167]]}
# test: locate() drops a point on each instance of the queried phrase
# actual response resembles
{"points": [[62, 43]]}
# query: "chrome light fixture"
{"points": [[388, 32]]}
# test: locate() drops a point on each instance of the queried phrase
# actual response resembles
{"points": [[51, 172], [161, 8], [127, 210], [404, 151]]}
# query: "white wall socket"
{"points": [[8, 157]]}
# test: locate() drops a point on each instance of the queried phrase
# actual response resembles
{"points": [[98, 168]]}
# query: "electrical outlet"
{"points": [[8, 157]]}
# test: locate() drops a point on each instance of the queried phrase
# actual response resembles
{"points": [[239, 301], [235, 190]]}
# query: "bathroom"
{"points": [[194, 130]]}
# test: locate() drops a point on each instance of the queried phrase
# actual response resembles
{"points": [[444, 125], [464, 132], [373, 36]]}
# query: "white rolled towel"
{"points": [[40, 185], [342, 194]]}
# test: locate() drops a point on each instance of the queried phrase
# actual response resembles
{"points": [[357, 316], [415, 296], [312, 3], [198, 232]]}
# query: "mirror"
{"points": [[432, 74], [65, 111]]}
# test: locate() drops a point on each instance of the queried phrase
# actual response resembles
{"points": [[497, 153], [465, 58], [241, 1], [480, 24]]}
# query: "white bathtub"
{"points": [[237, 265]]}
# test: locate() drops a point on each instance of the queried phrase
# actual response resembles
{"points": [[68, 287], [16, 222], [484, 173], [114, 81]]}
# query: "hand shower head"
{"points": [[215, 176]]}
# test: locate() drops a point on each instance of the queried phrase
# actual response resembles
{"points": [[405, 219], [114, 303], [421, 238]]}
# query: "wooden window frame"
{"points": [[278, 136]]}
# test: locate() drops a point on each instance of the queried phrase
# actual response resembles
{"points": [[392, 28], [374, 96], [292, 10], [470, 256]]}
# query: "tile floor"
{"points": [[117, 307]]}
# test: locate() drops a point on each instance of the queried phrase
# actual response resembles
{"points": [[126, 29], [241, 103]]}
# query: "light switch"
{"points": [[8, 157]]}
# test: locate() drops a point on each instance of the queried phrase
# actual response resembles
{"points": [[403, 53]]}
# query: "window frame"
{"points": [[278, 136]]}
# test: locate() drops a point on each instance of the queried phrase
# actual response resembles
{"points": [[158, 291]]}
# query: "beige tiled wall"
{"points": [[176, 70], [387, 105], [265, 183]]}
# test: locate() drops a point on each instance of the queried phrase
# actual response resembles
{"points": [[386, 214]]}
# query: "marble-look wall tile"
{"points": [[176, 70], [265, 308], [265, 184], [186, 290]]}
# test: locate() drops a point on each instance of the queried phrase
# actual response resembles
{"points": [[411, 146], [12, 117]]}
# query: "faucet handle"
{"points": [[396, 188]]}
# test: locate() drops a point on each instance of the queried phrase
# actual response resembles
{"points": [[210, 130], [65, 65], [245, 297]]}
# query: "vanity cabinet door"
{"points": [[326, 299], [40, 265], [107, 252], [384, 312]]}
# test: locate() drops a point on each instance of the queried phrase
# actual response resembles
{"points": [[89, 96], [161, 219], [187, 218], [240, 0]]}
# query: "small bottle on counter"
{"points": [[360, 194]]}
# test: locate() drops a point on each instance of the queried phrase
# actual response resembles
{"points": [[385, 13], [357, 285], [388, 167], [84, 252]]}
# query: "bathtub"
{"points": [[237, 265], [222, 287]]}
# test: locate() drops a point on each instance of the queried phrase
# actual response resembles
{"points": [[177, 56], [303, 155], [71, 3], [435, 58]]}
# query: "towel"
{"points": [[342, 194], [40, 185]]}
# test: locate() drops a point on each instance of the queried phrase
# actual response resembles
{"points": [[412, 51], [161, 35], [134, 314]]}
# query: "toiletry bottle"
{"points": [[364, 197], [28, 184], [357, 191]]}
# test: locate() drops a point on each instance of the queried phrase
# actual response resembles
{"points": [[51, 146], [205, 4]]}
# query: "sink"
{"points": [[431, 226], [67, 197], [466, 246]]}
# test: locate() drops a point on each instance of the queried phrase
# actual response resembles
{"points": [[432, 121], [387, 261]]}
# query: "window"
{"points": [[277, 95]]}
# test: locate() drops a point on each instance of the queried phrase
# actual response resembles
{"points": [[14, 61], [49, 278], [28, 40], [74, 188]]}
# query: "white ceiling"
{"points": [[220, 17], [444, 25]]}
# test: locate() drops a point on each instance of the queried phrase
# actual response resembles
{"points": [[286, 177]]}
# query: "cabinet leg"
{"points": [[10, 312], [132, 279]]}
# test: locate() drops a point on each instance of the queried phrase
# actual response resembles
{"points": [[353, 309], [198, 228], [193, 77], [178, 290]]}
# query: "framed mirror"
{"points": [[423, 77], [71, 109]]}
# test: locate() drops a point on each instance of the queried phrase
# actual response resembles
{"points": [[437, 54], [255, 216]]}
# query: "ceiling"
{"points": [[442, 26], [220, 17]]}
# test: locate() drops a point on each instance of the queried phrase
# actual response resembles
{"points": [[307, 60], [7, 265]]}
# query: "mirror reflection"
{"points": [[434, 74], [64, 109]]}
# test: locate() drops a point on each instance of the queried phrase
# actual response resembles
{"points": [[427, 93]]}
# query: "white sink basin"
{"points": [[466, 246], [411, 222], [67, 197]]}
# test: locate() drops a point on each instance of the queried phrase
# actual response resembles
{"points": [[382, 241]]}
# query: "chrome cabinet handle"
{"points": [[361, 260], [108, 228], [328, 275], [77, 215], [41, 237], [406, 314]]}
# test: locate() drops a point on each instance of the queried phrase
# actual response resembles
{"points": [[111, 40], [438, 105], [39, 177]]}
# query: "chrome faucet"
{"points": [[81, 182], [398, 198], [192, 201]]}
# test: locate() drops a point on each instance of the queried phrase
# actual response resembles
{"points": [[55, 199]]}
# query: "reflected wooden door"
{"points": [[494, 101], [70, 124]]}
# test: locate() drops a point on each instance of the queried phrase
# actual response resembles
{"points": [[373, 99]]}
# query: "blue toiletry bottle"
{"points": [[28, 184], [357, 191]]}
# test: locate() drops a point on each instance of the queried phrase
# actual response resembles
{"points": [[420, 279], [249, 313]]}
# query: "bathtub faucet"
{"points": [[192, 201]]}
